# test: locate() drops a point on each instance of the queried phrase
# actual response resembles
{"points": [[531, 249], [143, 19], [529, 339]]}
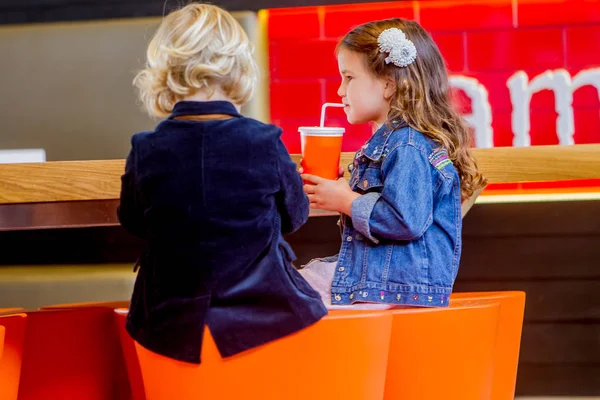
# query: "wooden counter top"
{"points": [[86, 193]]}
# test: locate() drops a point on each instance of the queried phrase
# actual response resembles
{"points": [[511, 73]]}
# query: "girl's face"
{"points": [[367, 97]]}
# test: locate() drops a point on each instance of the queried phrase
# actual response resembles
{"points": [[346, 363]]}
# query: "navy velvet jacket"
{"points": [[212, 199]]}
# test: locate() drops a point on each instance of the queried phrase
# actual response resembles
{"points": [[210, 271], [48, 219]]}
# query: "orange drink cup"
{"points": [[321, 150]]}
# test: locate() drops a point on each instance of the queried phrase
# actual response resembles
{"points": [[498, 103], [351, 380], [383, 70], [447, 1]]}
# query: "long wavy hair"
{"points": [[422, 98]]}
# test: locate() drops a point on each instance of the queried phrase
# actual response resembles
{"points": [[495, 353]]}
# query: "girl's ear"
{"points": [[390, 88]]}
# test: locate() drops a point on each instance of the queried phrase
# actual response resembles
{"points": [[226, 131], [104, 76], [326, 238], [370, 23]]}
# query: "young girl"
{"points": [[401, 209], [211, 193]]}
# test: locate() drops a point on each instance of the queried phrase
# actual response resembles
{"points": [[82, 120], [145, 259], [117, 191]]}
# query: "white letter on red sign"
{"points": [[481, 116]]}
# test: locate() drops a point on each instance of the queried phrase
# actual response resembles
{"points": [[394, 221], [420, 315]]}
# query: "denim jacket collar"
{"points": [[374, 148]]}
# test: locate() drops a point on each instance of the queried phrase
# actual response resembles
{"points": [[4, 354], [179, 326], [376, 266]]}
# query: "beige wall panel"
{"points": [[67, 88]]}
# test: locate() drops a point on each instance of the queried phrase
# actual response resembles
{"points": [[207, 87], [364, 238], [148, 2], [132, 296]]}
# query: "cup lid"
{"points": [[321, 131]]}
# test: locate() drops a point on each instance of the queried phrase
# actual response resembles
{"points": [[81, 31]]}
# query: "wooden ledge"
{"points": [[100, 180]]}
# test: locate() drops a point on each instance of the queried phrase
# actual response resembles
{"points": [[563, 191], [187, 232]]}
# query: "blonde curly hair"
{"points": [[199, 47]]}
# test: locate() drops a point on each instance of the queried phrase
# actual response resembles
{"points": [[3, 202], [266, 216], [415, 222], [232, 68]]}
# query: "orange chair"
{"points": [[72, 354], [10, 362], [341, 356], [2, 330], [131, 359], [123, 390], [106, 304], [512, 309], [442, 353], [11, 310]]}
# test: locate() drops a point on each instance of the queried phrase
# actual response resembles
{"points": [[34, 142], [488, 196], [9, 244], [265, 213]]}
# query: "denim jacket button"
{"points": [[341, 269], [365, 183], [349, 239]]}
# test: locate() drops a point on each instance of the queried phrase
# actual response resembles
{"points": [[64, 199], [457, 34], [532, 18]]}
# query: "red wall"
{"points": [[488, 40]]}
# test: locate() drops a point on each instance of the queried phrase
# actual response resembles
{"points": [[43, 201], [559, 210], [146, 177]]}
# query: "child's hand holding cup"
{"points": [[320, 167]]}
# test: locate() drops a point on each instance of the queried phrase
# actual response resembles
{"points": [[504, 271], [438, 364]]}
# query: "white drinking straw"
{"points": [[323, 107]]}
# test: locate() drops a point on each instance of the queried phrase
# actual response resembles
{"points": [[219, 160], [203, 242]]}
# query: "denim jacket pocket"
{"points": [[370, 180]]}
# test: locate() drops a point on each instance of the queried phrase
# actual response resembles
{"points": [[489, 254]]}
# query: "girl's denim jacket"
{"points": [[403, 242]]}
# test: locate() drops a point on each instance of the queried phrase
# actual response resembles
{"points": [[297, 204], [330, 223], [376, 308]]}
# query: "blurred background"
{"points": [[66, 94]]}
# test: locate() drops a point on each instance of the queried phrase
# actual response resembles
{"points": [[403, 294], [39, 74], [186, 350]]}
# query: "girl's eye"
{"points": [[349, 78]]}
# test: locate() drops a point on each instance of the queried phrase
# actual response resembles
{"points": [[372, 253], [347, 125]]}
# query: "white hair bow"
{"points": [[401, 51]]}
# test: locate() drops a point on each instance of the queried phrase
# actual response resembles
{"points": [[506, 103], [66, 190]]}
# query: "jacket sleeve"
{"points": [[404, 208], [292, 202], [130, 211]]}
